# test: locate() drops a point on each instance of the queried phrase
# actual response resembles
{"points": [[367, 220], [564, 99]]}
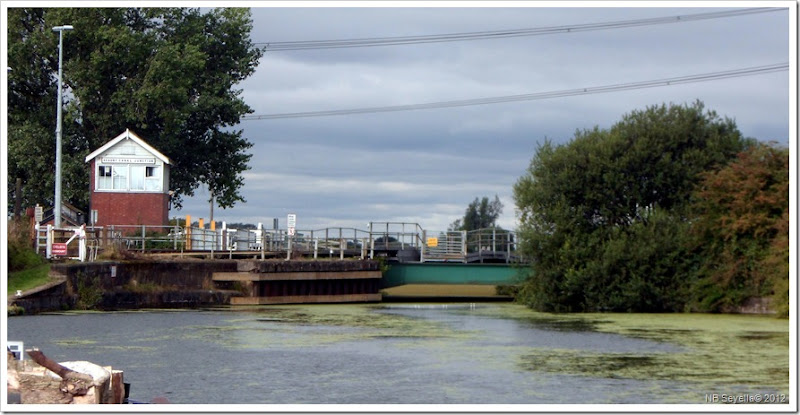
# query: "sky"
{"points": [[426, 166]]}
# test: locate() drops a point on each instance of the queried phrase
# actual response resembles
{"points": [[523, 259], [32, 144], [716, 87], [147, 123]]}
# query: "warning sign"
{"points": [[59, 249], [433, 242]]}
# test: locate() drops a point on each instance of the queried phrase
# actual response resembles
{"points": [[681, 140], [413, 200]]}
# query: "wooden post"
{"points": [[188, 232], [117, 395]]}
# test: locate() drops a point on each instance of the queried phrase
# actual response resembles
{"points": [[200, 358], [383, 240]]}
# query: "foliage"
{"points": [[20, 253], [603, 218], [383, 265], [479, 214], [116, 252], [509, 290], [166, 73], [15, 310], [742, 230], [89, 292]]}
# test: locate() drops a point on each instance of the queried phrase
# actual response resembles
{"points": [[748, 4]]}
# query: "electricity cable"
{"points": [[496, 34], [711, 76]]}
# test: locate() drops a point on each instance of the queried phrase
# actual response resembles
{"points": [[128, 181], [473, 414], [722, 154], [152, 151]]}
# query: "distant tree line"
{"points": [[670, 209]]}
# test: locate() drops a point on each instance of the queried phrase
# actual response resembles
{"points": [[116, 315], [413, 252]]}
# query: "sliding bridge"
{"points": [[394, 241], [309, 281]]}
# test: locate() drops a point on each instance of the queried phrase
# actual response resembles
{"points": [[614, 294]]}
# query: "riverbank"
{"points": [[191, 283], [114, 285], [134, 284]]}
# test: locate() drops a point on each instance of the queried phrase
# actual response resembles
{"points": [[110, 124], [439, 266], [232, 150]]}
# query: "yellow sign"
{"points": [[433, 242]]}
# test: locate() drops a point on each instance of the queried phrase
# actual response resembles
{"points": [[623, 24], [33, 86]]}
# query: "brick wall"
{"points": [[131, 208], [118, 208]]}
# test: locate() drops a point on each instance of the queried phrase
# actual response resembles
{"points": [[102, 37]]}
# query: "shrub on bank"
{"points": [[20, 253]]}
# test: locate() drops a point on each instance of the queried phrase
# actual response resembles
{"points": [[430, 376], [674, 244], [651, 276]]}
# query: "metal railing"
{"points": [[396, 235], [491, 243], [383, 238]]}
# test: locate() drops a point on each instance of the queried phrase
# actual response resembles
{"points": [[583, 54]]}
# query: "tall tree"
{"points": [[742, 229], [169, 74], [604, 217], [479, 214]]}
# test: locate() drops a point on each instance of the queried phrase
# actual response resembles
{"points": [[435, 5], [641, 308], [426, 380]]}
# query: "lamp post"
{"points": [[57, 220]]}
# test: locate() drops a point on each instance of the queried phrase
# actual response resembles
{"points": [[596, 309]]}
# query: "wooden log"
{"points": [[65, 373]]}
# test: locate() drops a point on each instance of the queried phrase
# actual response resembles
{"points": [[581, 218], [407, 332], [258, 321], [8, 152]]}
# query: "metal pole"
{"points": [[49, 242], [423, 247], [371, 243], [57, 201]]}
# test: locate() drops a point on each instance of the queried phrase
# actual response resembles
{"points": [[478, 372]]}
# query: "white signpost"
{"points": [[291, 222]]}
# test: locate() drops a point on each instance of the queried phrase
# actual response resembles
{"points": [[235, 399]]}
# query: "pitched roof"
{"points": [[128, 134]]}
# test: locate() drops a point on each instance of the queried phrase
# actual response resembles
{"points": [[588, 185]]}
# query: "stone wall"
{"points": [[131, 284]]}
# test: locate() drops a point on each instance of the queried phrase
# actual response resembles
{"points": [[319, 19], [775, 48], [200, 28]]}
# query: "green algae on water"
{"points": [[315, 325], [719, 352]]}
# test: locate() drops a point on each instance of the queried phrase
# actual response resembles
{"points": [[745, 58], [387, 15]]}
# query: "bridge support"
{"points": [[295, 282]]}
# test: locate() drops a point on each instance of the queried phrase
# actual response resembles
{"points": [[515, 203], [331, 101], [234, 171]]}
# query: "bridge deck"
{"points": [[451, 274]]}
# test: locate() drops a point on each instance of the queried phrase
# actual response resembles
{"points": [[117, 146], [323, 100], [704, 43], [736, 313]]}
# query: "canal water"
{"points": [[491, 353]]}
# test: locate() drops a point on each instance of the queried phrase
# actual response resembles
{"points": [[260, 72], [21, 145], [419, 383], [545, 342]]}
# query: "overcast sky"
{"points": [[426, 166]]}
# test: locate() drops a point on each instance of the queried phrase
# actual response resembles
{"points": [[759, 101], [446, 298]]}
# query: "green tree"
{"points": [[479, 214], [169, 74], [603, 218], [742, 229]]}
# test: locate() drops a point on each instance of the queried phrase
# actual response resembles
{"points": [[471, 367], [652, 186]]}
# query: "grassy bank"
{"points": [[28, 278]]}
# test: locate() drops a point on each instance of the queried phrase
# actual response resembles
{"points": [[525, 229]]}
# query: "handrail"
{"points": [[380, 237]]}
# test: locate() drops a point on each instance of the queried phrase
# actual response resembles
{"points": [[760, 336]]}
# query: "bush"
{"points": [[20, 253], [117, 252], [604, 218], [89, 292]]}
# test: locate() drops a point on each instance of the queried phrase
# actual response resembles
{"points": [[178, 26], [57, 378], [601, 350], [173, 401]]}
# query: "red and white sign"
{"points": [[59, 249]]}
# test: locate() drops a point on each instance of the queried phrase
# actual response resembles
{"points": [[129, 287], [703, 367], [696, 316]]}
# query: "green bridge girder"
{"points": [[452, 273]]}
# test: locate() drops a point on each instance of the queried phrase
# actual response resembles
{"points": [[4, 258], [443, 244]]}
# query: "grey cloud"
{"points": [[428, 165]]}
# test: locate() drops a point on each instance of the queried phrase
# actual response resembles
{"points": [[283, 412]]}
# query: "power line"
{"points": [[497, 34], [711, 76]]}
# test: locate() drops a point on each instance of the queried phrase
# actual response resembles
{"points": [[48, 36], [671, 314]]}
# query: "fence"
{"points": [[383, 237]]}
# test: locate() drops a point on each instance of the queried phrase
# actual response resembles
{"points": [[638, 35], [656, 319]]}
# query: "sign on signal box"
{"points": [[59, 249]]}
